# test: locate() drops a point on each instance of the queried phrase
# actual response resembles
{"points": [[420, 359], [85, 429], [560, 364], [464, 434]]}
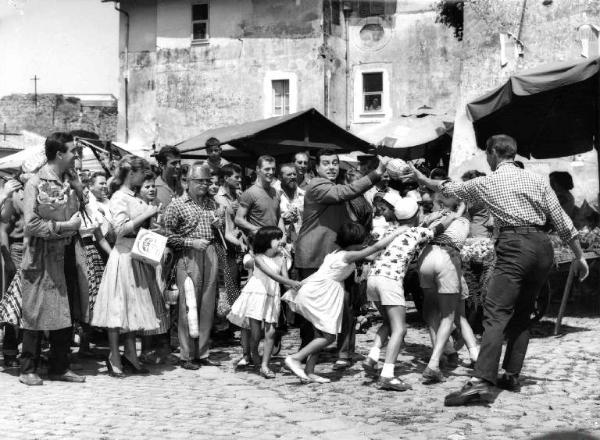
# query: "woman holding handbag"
{"points": [[124, 302]]}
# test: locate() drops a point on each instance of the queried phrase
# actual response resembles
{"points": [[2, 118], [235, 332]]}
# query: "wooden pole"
{"points": [[563, 303]]}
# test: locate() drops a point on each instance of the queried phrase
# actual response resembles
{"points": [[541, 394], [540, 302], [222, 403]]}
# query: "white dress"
{"points": [[321, 297], [260, 297]]}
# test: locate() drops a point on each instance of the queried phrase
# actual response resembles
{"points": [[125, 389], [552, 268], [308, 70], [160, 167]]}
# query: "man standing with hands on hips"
{"points": [[521, 203]]}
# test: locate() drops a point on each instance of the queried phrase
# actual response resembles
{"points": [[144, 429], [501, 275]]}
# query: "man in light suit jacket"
{"points": [[325, 212]]}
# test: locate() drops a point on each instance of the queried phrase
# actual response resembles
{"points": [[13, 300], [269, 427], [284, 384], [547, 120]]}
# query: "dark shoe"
{"points": [[471, 392], [432, 376], [130, 368], [509, 382], [188, 365], [452, 360], [370, 366], [11, 362], [111, 370], [393, 384], [68, 376], [206, 362], [31, 379]]}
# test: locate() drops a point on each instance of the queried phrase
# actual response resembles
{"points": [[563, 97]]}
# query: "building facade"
{"points": [[191, 65]]}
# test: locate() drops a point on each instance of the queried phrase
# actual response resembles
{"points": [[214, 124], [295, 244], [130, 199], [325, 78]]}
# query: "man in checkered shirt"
{"points": [[521, 204], [190, 221]]}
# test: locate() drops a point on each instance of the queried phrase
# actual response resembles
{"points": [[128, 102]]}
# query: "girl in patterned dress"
{"points": [[321, 298], [259, 303]]}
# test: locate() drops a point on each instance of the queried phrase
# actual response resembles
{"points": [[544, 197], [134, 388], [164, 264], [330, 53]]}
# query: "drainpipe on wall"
{"points": [[347, 9], [126, 73]]}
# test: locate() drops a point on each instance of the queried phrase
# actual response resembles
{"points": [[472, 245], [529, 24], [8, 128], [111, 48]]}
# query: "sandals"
{"points": [[315, 378], [267, 373]]}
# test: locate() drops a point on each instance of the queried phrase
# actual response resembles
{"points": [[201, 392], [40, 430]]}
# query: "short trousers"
{"points": [[385, 290], [440, 268]]}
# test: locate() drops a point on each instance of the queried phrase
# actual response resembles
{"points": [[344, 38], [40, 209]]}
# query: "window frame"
{"points": [[285, 85], [268, 95], [360, 115], [193, 22]]}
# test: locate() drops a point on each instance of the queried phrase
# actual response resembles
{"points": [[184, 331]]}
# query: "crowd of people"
{"points": [[303, 246]]}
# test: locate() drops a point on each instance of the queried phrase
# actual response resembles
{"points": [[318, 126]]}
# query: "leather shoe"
{"points": [[432, 376], [68, 376], [471, 392], [188, 365], [31, 379], [509, 382], [393, 384], [206, 362]]}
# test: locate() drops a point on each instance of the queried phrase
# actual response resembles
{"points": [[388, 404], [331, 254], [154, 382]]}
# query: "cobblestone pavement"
{"points": [[560, 393]]}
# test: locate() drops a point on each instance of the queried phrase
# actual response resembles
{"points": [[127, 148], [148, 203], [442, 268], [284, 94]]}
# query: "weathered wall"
{"points": [[549, 34], [178, 89], [420, 56], [55, 113]]}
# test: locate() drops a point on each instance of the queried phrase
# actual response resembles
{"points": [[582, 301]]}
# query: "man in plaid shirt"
{"points": [[189, 222], [521, 204]]}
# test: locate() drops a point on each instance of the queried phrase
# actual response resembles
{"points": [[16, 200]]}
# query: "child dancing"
{"points": [[260, 303], [321, 298]]}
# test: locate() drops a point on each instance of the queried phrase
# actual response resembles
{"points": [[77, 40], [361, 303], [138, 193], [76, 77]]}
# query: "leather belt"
{"points": [[521, 229]]}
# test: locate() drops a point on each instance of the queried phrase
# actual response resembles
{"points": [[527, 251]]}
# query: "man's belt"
{"points": [[521, 229]]}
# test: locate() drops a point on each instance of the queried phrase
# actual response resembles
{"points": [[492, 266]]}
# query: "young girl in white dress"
{"points": [[321, 298], [259, 302]]}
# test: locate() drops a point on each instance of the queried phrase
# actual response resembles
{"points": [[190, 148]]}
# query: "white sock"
{"points": [[474, 353], [388, 370], [374, 353]]}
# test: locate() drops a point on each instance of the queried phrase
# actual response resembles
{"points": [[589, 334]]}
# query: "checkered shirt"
{"points": [[515, 197], [185, 220]]}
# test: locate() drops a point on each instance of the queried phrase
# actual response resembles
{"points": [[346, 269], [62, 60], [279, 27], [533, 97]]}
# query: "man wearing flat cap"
{"points": [[190, 221]]}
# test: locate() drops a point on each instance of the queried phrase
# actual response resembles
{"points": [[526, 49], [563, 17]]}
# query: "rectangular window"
{"points": [[281, 97], [200, 21], [372, 91], [373, 8]]}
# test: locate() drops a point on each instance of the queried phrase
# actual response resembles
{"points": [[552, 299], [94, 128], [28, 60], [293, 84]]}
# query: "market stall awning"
{"points": [[279, 136], [551, 111]]}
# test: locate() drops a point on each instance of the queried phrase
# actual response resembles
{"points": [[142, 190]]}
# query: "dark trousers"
{"points": [[346, 340], [59, 351], [307, 331], [10, 344], [522, 267]]}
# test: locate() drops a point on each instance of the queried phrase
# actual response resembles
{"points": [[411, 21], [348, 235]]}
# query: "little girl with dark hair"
{"points": [[259, 303], [321, 298]]}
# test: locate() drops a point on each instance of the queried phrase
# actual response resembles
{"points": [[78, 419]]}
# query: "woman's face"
{"points": [[148, 190], [136, 178]]}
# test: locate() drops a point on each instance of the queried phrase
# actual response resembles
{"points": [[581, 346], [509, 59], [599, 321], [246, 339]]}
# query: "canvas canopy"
{"points": [[278, 136], [551, 111]]}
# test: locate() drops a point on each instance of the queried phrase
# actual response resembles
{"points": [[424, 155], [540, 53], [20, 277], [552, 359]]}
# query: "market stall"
{"points": [[552, 111]]}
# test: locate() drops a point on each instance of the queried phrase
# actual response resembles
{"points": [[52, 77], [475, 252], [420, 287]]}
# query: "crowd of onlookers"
{"points": [[308, 243]]}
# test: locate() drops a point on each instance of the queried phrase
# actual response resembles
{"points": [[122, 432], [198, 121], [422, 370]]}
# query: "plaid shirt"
{"points": [[515, 197], [186, 221]]}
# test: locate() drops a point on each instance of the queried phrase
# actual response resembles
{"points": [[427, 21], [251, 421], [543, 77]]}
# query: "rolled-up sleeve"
{"points": [[36, 226], [466, 191], [558, 217]]}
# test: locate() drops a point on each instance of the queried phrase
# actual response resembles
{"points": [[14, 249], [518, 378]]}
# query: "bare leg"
{"points": [[467, 331], [431, 313], [447, 304], [268, 345], [130, 351], [114, 356], [397, 318], [383, 332], [255, 337], [320, 341], [245, 341]]}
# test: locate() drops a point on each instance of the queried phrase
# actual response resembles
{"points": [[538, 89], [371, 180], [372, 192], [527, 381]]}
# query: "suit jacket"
{"points": [[325, 212]]}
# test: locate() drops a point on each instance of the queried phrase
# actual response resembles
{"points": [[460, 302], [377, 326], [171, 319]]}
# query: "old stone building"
{"points": [[547, 31], [190, 65]]}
